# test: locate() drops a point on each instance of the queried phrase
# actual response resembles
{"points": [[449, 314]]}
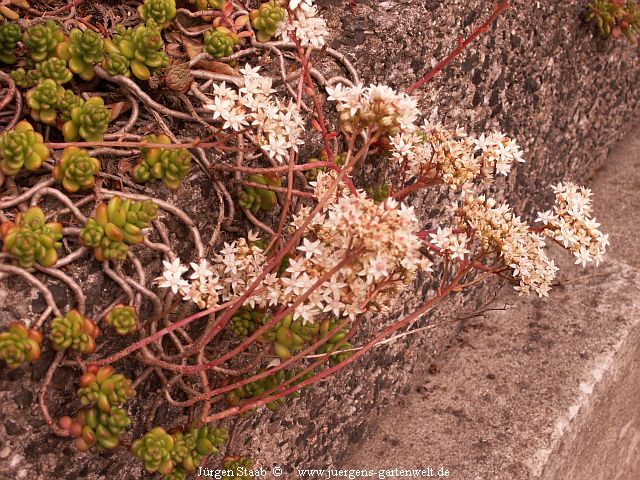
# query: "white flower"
{"points": [[310, 248]]}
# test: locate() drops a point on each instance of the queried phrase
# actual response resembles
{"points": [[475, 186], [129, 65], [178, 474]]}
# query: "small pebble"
{"points": [[5, 452]]}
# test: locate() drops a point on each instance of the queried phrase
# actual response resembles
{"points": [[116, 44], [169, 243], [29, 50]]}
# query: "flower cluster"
{"points": [[278, 124], [570, 223], [499, 231], [309, 28], [378, 107], [453, 156]]}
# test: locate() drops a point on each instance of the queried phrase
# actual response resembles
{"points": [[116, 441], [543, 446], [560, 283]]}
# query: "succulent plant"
{"points": [[88, 121], [76, 169], [154, 449], [141, 46], [116, 224], [615, 17], [160, 11], [177, 474], [73, 331], [177, 77], [326, 326], [246, 321], [206, 4], [123, 319], [104, 388], [117, 64], [42, 40], [53, 68], [9, 13], [67, 103], [31, 240], [261, 386], [219, 42], [19, 76], [256, 199], [167, 165], [288, 335], [18, 344], [379, 193], [193, 445], [82, 51], [21, 147], [10, 33], [92, 427], [43, 99], [265, 20], [237, 466]]}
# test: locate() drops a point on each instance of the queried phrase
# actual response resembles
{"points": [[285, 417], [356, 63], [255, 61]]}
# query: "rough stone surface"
{"points": [[546, 389], [539, 75]]}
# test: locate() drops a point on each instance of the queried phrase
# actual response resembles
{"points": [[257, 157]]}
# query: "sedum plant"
{"points": [[42, 40], [205, 4], [73, 331], [52, 68], [123, 319], [265, 20], [219, 42], [261, 386], [93, 427], [10, 33], [116, 225], [76, 169], [21, 147], [7, 12], [82, 51], [104, 388], [154, 449], [43, 100], [615, 17], [142, 46], [238, 467], [256, 199], [161, 12], [334, 344], [31, 240], [117, 64], [169, 166], [19, 344], [67, 103], [87, 121]]}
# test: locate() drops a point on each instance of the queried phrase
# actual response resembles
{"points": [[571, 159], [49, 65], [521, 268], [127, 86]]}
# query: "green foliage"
{"points": [[206, 4], [123, 319], [21, 147], [92, 427], [246, 320], [31, 240], [10, 33], [237, 465], [379, 193], [88, 121], [160, 11], [312, 174], [287, 335], [167, 165], [9, 13], [259, 387], [73, 331], [191, 446], [43, 100], [42, 40], [118, 223], [104, 388], [76, 169], [118, 64], [19, 344], [154, 449], [256, 199], [265, 20], [325, 327], [53, 68], [177, 474], [219, 42], [19, 75], [142, 46], [615, 17], [82, 51], [67, 103]]}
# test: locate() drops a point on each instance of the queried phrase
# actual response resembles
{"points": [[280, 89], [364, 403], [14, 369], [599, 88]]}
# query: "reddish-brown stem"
{"points": [[497, 10]]}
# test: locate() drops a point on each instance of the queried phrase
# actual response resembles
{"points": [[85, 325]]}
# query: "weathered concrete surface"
{"points": [[545, 389]]}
